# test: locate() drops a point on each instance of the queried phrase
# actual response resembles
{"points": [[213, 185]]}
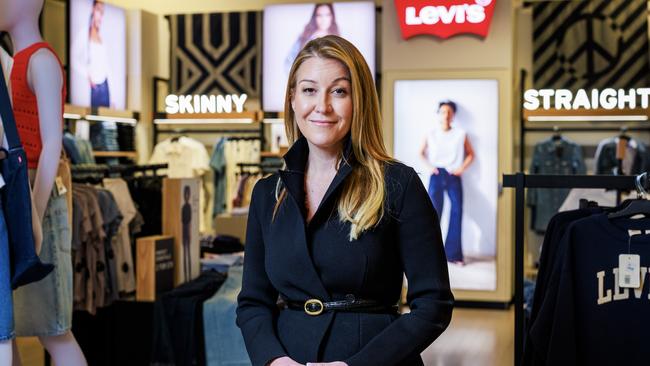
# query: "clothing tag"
{"points": [[60, 187], [634, 232], [629, 273]]}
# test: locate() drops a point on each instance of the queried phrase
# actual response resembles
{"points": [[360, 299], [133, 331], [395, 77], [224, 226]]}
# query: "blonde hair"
{"points": [[362, 199]]}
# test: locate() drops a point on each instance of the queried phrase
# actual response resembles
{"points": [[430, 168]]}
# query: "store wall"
{"points": [[144, 64], [459, 52], [53, 23], [462, 56], [164, 7]]}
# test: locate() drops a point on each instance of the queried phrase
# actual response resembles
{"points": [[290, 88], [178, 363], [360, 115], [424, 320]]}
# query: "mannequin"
{"points": [[44, 80]]}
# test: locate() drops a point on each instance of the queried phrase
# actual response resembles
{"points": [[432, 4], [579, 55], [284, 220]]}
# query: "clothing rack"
{"points": [[262, 166], [108, 170], [211, 131], [524, 128], [520, 182]]}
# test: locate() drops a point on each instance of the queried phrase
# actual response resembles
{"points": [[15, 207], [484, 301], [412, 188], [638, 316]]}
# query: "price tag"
{"points": [[629, 271], [60, 187]]}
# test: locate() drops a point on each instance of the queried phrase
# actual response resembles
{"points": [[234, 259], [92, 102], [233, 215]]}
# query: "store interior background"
{"points": [[476, 337]]}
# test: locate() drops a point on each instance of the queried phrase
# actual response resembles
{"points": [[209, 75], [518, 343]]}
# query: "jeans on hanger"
{"points": [[438, 184], [224, 343], [6, 305]]}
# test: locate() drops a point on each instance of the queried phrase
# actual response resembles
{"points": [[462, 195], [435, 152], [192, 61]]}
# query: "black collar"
{"points": [[293, 176], [296, 157]]}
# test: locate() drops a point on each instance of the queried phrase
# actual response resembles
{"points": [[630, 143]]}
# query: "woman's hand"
{"points": [[458, 172], [435, 171], [335, 363], [284, 361]]}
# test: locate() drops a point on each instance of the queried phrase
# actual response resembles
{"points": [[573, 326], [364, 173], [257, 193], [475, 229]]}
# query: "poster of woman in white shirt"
{"points": [[97, 54], [448, 131]]}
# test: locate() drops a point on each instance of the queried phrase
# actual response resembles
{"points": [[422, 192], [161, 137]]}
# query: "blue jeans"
{"points": [[224, 343], [100, 95], [438, 184], [6, 305]]}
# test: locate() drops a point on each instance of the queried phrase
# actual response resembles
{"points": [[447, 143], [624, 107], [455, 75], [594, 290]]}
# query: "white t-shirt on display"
{"points": [[97, 62], [446, 149]]}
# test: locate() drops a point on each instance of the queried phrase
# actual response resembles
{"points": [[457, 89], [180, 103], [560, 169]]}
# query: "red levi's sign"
{"points": [[444, 18]]}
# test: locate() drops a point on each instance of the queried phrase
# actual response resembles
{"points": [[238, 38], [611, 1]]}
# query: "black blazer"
{"points": [[297, 261]]}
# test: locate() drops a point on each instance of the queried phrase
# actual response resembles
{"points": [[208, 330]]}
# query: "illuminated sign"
{"points": [[204, 103], [444, 18], [565, 99]]}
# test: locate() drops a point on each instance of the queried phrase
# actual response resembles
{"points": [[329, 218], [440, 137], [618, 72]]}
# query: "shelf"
{"points": [[247, 117], [115, 154], [269, 154], [100, 114]]}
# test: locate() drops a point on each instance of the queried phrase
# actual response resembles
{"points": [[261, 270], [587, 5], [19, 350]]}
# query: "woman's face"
{"points": [[446, 116], [98, 14], [323, 17], [322, 101]]}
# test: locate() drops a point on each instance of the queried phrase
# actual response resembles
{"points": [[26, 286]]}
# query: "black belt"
{"points": [[316, 307]]}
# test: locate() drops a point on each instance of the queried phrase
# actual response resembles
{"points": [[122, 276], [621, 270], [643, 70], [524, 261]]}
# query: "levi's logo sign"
{"points": [[444, 18]]}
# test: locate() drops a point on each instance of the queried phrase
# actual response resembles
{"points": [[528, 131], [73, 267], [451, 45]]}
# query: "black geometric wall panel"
{"points": [[590, 44], [218, 53]]}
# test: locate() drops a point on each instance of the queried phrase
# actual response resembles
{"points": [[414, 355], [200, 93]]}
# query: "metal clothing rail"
{"points": [[116, 169], [588, 129], [264, 167], [520, 182]]}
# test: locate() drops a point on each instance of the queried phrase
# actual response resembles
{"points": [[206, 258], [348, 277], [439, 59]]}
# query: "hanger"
{"points": [[623, 134], [638, 206], [556, 134]]}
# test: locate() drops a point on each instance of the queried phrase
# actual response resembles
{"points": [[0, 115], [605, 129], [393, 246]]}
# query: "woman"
{"points": [[321, 24], [447, 153], [97, 59], [334, 232]]}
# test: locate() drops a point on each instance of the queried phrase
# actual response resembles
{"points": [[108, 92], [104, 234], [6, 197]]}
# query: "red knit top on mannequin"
{"points": [[25, 105]]}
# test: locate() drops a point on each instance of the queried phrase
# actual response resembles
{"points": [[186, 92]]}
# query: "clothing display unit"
{"points": [[520, 182]]}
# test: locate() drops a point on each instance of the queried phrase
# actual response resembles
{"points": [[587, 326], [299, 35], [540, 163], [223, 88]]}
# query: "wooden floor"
{"points": [[474, 338]]}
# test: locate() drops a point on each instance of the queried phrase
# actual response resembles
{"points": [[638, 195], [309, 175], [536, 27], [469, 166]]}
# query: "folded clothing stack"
{"points": [[103, 136], [126, 137]]}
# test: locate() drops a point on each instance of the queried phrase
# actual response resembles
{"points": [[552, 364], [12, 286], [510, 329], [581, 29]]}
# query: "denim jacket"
{"points": [[606, 163], [561, 157]]}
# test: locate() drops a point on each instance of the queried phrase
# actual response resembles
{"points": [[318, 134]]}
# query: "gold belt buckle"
{"points": [[314, 307]]}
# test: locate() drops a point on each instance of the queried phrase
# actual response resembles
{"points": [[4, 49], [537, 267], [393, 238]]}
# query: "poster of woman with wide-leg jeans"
{"points": [[447, 152], [448, 130]]}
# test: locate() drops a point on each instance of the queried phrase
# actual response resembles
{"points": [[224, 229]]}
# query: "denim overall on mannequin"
{"points": [[26, 267]]}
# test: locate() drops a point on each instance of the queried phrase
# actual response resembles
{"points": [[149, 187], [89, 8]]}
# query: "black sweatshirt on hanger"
{"points": [[593, 321], [548, 259]]}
